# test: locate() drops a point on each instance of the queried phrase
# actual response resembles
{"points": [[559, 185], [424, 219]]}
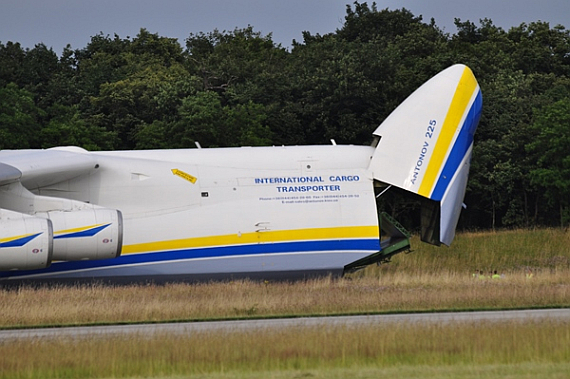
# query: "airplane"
{"points": [[275, 212]]}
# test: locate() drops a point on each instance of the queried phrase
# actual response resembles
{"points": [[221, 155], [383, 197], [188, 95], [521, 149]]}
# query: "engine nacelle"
{"points": [[25, 241], [87, 234]]}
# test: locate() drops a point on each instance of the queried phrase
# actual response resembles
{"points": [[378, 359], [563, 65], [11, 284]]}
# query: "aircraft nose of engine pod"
{"points": [[425, 144]]}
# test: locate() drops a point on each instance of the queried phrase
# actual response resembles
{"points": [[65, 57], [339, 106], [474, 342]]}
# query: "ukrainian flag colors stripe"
{"points": [[18, 240], [84, 231], [302, 241], [460, 148], [337, 233], [369, 245], [459, 107]]}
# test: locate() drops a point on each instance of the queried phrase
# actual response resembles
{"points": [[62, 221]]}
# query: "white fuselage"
{"points": [[246, 211]]}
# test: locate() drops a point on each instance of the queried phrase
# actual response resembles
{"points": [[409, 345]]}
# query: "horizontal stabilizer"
{"points": [[425, 145]]}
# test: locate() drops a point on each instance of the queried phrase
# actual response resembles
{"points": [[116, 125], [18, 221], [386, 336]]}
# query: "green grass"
{"points": [[440, 350], [508, 251]]}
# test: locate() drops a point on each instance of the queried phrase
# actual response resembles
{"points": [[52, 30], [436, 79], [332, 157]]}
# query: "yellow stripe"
{"points": [[257, 237], [465, 88], [75, 230], [10, 239]]}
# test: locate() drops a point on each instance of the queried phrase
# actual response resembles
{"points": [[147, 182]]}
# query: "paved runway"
{"points": [[244, 325]]}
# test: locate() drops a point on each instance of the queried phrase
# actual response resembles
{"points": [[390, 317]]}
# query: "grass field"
{"points": [[427, 279], [392, 292], [431, 351]]}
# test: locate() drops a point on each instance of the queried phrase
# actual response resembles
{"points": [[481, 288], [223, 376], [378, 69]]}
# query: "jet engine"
{"points": [[87, 234], [26, 242], [37, 229]]}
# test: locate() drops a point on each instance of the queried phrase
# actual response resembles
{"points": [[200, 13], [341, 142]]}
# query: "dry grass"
{"points": [[428, 279], [390, 292], [438, 350]]}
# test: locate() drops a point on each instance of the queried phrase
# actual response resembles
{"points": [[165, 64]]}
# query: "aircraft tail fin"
{"points": [[425, 147]]}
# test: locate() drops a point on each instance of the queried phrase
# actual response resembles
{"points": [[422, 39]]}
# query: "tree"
{"points": [[249, 73], [133, 84], [367, 24], [200, 117], [226, 59], [245, 125], [12, 57], [18, 118], [552, 147], [540, 48]]}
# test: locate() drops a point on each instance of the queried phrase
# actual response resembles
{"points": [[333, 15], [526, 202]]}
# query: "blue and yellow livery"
{"points": [[257, 212], [84, 231], [17, 241]]}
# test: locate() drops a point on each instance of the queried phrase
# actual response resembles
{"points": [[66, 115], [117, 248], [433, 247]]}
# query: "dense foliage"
{"points": [[239, 87]]}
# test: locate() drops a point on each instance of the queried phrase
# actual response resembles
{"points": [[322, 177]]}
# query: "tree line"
{"points": [[234, 88]]}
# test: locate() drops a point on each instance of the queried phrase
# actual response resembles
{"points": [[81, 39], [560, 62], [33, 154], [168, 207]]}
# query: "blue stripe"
{"points": [[460, 148], [20, 241], [372, 245], [84, 233]]}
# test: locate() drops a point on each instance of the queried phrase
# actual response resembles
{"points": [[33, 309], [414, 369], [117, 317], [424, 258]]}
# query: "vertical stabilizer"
{"points": [[425, 146]]}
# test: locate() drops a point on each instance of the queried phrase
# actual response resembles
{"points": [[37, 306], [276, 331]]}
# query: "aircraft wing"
{"points": [[35, 230], [9, 174], [39, 168]]}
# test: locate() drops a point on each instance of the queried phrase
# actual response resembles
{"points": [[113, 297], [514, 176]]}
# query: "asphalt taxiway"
{"points": [[245, 325]]}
